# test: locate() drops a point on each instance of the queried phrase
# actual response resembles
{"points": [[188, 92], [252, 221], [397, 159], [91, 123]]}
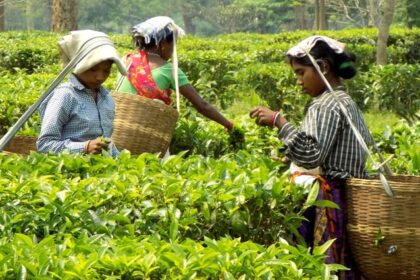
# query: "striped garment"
{"points": [[70, 117], [325, 138]]}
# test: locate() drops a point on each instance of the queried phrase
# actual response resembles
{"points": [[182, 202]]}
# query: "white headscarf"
{"points": [[156, 28], [70, 45], [306, 46]]}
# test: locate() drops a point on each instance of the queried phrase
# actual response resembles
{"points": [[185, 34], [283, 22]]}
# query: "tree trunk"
{"points": [[316, 19], [189, 25], [387, 13], [64, 15], [300, 17], [2, 17], [320, 15], [373, 13], [30, 15], [323, 15]]}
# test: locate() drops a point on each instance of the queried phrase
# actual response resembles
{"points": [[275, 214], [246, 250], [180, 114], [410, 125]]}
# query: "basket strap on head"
{"points": [[175, 71]]}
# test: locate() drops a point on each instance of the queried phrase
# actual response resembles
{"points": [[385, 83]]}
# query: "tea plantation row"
{"points": [[229, 67], [94, 217]]}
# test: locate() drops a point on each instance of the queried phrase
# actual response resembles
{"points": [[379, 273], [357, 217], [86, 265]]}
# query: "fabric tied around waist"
{"points": [[304, 177]]}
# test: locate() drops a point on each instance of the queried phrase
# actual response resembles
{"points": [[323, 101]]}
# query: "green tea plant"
{"points": [[63, 256], [402, 142], [94, 216]]}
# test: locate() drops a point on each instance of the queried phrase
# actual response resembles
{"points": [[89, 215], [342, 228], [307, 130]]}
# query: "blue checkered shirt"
{"points": [[70, 117]]}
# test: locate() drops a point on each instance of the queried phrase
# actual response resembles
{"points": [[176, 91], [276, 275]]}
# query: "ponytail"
{"points": [[343, 65]]}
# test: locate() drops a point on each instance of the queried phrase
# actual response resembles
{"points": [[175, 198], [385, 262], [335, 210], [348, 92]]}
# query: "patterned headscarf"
{"points": [[306, 46], [157, 28]]}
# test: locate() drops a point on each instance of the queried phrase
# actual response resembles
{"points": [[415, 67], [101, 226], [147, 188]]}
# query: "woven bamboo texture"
{"points": [[21, 145], [370, 209], [142, 125]]}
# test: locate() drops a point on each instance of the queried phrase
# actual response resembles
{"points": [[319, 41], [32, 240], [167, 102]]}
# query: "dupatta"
{"points": [[140, 77]]}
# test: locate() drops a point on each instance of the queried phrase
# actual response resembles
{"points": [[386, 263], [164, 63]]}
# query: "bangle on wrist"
{"points": [[275, 117], [86, 147]]}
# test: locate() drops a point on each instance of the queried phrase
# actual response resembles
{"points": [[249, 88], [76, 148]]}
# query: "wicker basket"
{"points": [[370, 212], [21, 145], [142, 125]]}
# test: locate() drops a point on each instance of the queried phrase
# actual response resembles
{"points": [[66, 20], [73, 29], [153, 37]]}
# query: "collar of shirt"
{"points": [[79, 86], [338, 88]]}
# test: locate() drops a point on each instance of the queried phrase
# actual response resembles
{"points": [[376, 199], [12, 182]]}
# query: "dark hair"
{"points": [[340, 63], [141, 44]]}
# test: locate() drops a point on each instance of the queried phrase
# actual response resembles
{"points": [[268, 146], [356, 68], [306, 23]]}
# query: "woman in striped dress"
{"points": [[325, 140]]}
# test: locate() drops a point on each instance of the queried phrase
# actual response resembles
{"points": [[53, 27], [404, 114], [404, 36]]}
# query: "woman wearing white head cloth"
{"points": [[149, 73], [324, 142], [78, 116]]}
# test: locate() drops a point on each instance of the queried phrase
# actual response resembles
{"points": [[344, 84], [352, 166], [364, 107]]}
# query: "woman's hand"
{"points": [[95, 146], [263, 116]]}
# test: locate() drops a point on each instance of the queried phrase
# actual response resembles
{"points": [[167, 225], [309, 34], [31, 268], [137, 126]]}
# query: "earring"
{"points": [[322, 64]]}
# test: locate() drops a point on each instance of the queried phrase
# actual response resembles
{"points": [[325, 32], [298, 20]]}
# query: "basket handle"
{"points": [[121, 77], [383, 167], [175, 71], [89, 46]]}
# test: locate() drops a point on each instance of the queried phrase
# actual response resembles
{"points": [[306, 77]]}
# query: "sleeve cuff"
{"points": [[114, 150], [75, 147]]}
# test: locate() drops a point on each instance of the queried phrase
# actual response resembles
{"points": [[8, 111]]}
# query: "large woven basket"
{"points": [[142, 125], [21, 145], [372, 214]]}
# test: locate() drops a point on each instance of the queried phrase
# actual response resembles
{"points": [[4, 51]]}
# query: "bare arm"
{"points": [[203, 107]]}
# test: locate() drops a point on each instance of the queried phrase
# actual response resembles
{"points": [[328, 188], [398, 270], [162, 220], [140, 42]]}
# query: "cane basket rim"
{"points": [[404, 183], [21, 144]]}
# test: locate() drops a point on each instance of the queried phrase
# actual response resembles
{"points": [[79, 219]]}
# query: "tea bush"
{"points": [[94, 216], [223, 67]]}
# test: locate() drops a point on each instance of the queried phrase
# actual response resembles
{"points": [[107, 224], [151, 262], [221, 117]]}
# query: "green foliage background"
{"points": [[232, 67]]}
